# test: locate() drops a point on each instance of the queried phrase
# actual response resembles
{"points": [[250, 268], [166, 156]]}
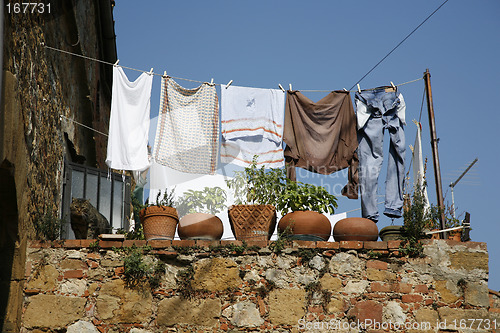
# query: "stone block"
{"points": [[207, 243], [351, 245], [286, 306], [356, 287], [404, 288], [330, 283], [421, 288], [412, 298], [469, 260], [104, 244], [159, 244], [231, 242], [380, 287], [378, 275], [113, 262], [82, 327], [336, 306], [184, 242], [452, 316], [73, 287], [375, 245], [243, 314], [327, 245], [118, 304], [302, 244], [215, 274], [476, 294], [448, 291], [53, 311], [367, 311], [72, 243], [45, 279], [134, 242], [73, 264], [199, 312], [73, 274], [259, 244], [393, 244], [346, 264], [393, 312], [377, 264], [425, 315]]}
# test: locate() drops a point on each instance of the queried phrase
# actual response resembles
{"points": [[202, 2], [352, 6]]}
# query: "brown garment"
{"points": [[321, 137]]}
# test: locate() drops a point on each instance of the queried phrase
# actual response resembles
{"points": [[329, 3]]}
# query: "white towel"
{"points": [[129, 122], [252, 124], [418, 164]]}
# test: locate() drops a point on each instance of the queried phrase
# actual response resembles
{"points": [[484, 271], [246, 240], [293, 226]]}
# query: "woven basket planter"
{"points": [[252, 222], [159, 222]]}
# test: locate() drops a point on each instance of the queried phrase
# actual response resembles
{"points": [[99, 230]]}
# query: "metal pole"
{"points": [[453, 200], [452, 185], [435, 153]]}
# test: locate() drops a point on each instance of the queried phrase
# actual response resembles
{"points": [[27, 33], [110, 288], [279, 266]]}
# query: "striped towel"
{"points": [[252, 124], [187, 136]]}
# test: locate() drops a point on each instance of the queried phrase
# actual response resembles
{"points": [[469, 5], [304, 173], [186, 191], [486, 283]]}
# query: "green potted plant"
{"points": [[301, 206], [197, 210], [159, 220], [256, 192]]}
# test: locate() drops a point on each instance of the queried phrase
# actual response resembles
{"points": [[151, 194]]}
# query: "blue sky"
{"points": [[329, 45]]}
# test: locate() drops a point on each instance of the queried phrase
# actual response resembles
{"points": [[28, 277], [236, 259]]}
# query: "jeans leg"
{"points": [[395, 170], [370, 151]]}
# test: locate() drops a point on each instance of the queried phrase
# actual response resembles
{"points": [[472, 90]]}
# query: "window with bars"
{"points": [[109, 193]]}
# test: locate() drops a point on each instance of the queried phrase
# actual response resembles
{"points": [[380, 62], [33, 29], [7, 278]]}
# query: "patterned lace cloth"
{"points": [[187, 136]]}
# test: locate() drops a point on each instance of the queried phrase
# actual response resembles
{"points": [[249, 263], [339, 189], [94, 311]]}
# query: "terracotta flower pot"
{"points": [[306, 225], [392, 232], [455, 235], [200, 226], [355, 229], [252, 222], [159, 222]]}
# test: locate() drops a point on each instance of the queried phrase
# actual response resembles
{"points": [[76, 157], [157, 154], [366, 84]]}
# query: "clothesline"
{"points": [[83, 125], [190, 80]]}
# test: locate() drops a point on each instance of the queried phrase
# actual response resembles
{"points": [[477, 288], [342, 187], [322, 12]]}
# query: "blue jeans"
{"points": [[383, 107]]}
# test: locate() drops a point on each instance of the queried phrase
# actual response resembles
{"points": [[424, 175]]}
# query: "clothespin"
{"points": [[344, 89], [212, 82], [359, 88], [290, 86], [229, 83], [151, 72], [281, 87], [393, 86], [165, 74], [116, 63]]}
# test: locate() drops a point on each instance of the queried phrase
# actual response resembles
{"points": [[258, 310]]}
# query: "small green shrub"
{"points": [[48, 226], [138, 272]]}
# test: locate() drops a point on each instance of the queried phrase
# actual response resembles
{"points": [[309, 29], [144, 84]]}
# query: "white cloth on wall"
{"points": [[252, 124], [129, 122], [418, 164]]}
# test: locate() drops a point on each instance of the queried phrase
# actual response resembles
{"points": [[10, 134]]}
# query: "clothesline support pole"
{"points": [[435, 153]]}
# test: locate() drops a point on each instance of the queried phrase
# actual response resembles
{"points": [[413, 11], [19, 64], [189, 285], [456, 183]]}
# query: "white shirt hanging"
{"points": [[129, 122]]}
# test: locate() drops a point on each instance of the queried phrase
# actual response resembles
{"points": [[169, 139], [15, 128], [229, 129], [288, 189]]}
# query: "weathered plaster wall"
{"points": [[75, 285]]}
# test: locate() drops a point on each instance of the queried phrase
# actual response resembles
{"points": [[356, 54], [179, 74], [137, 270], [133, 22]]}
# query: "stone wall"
{"points": [[228, 286], [39, 85]]}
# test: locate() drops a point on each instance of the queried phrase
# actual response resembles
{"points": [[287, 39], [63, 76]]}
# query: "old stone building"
{"points": [[43, 93]]}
